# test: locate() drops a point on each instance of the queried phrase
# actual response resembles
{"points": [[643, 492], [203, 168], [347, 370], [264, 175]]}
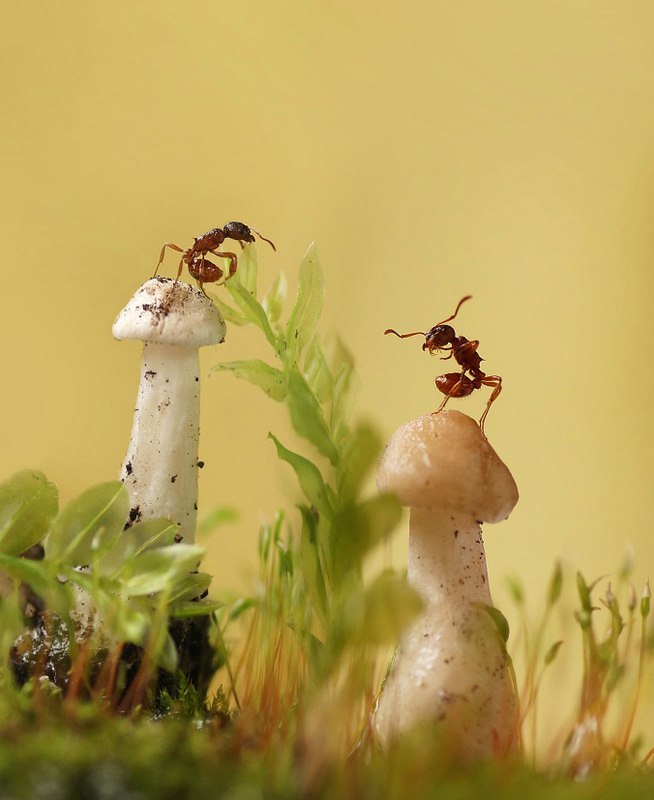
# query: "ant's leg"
{"points": [[496, 382], [180, 268], [163, 253], [233, 262]]}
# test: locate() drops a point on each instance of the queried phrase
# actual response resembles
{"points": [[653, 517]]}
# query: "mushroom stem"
{"points": [[160, 468], [446, 560]]}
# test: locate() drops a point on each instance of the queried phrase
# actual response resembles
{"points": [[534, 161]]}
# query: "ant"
{"points": [[457, 384], [199, 267]]}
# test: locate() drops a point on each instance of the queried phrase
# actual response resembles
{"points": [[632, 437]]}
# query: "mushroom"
{"points": [[160, 470], [451, 667]]}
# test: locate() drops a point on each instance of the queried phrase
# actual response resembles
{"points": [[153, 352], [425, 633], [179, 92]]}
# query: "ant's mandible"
{"points": [[443, 337], [194, 257]]}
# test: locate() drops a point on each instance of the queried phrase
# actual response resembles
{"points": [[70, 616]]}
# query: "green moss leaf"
{"points": [[89, 524], [39, 577], [135, 540], [307, 417], [317, 373], [309, 477], [257, 372], [247, 269], [308, 305], [28, 504], [158, 570], [274, 299], [383, 611], [229, 314], [251, 309]]}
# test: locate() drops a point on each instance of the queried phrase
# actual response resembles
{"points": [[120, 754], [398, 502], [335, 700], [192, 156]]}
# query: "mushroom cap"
{"points": [[443, 460], [170, 312]]}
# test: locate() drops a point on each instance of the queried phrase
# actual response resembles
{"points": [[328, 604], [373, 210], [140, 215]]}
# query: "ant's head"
{"points": [[238, 231], [438, 337]]}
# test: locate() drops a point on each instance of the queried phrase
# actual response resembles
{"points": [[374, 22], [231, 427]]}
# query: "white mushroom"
{"points": [[451, 667], [160, 469]]}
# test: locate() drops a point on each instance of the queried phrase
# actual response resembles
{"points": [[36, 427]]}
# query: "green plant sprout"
{"points": [[89, 625]]}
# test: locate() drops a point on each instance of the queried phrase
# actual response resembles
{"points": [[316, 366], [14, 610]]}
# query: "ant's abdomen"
{"points": [[454, 384]]}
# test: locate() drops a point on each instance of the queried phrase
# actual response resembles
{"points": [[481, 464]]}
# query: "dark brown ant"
{"points": [[457, 384], [194, 257]]}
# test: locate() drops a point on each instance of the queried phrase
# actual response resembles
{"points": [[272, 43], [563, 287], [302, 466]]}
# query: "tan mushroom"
{"points": [[451, 667]]}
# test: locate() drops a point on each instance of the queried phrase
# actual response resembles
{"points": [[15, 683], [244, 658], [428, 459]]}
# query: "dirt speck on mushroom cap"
{"points": [[170, 312]]}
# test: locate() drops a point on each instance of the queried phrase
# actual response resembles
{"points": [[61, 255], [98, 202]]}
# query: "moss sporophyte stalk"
{"points": [[104, 611]]}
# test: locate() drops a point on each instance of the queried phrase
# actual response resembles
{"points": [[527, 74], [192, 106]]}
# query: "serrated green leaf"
{"points": [[274, 299], [257, 372], [88, 524], [308, 305], [309, 477], [316, 372], [307, 417], [252, 309], [137, 539], [28, 504], [158, 570]]}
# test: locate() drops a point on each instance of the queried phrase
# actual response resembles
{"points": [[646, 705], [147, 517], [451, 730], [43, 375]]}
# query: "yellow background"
{"points": [[433, 149]]}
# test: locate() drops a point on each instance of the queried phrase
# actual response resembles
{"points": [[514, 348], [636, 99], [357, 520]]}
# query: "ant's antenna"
{"points": [[263, 237], [461, 302], [404, 335]]}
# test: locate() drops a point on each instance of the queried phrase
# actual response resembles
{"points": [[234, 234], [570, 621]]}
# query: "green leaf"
{"points": [[498, 619], [242, 605], [274, 299], [247, 269], [158, 570], [360, 454], [312, 572], [358, 528], [309, 477], [200, 609], [517, 591], [308, 305], [307, 417], [28, 504], [342, 400], [252, 309], [384, 611], [556, 583], [317, 373], [213, 519], [38, 575], [270, 379], [552, 653], [584, 593], [229, 314], [135, 540], [190, 587], [88, 524]]}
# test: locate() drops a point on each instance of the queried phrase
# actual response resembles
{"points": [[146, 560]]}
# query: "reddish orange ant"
{"points": [[199, 267], [457, 384]]}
